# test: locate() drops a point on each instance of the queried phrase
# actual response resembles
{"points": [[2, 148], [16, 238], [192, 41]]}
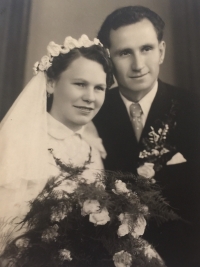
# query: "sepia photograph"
{"points": [[99, 133]]}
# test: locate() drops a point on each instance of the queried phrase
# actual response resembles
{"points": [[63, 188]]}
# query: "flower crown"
{"points": [[55, 50]]}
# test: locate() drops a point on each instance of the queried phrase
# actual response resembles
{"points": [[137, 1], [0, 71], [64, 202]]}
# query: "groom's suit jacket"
{"points": [[177, 242]]}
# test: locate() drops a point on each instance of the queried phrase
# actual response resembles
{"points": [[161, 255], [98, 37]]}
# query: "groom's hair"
{"points": [[129, 15]]}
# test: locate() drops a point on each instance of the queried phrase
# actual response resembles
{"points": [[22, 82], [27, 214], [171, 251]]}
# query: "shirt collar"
{"points": [[145, 102], [58, 130]]}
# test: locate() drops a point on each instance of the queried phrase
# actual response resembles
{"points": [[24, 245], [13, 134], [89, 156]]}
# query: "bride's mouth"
{"points": [[83, 109]]}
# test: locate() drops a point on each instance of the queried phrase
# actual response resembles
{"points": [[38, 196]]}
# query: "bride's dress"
{"points": [[70, 147]]}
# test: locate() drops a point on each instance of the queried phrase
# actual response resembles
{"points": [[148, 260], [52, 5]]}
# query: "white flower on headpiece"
{"points": [[70, 43], [85, 41], [35, 67], [108, 51], [97, 42], [44, 63], [53, 49], [64, 50]]}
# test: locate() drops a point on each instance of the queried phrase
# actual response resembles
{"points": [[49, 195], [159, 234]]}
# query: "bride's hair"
{"points": [[63, 61], [95, 53]]}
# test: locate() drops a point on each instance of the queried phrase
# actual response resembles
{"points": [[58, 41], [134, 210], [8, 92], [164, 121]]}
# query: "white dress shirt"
{"points": [[145, 103]]}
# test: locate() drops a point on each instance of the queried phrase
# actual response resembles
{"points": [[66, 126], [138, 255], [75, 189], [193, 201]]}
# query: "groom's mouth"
{"points": [[83, 109], [138, 76]]}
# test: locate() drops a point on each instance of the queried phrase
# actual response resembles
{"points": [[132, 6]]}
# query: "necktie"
{"points": [[136, 113]]}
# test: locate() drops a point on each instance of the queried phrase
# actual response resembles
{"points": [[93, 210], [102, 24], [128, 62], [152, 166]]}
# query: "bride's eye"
{"points": [[80, 84]]}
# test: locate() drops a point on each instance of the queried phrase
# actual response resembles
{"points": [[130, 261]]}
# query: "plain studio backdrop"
{"points": [[26, 28]]}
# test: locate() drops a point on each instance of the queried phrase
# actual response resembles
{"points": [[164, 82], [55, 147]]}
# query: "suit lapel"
{"points": [[126, 130]]}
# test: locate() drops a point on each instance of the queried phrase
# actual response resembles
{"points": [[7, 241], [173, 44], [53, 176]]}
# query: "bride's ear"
{"points": [[50, 86]]}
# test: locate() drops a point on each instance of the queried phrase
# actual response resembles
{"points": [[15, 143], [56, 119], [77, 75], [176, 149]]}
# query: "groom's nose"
{"points": [[137, 63]]}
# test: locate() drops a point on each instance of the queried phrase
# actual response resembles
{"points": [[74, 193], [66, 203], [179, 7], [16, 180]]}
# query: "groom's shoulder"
{"points": [[113, 92], [186, 97], [112, 98]]}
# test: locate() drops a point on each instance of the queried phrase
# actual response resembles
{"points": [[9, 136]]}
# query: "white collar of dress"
{"points": [[58, 130]]}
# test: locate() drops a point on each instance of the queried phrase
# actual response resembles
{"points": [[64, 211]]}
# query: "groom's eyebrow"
{"points": [[101, 84], [120, 50]]}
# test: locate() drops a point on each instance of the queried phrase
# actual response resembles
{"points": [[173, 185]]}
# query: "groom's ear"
{"points": [[162, 48], [50, 86]]}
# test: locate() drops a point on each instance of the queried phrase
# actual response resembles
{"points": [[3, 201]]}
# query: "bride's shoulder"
{"points": [[90, 134]]}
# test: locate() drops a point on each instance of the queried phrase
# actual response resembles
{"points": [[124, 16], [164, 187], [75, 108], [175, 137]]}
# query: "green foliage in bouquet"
{"points": [[83, 219]]}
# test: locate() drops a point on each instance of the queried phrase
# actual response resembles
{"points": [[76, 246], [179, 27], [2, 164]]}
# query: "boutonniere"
{"points": [[158, 148]]}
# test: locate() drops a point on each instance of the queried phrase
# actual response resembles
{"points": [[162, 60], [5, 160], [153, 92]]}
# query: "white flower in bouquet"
{"points": [[68, 186], [90, 206], [164, 151], [139, 227], [124, 217], [100, 218], [22, 243], [100, 185], [120, 188], [122, 259], [150, 252], [53, 49], [123, 229], [44, 63], [155, 152], [88, 176], [144, 154], [146, 170], [65, 255], [59, 214], [50, 233], [145, 209]]}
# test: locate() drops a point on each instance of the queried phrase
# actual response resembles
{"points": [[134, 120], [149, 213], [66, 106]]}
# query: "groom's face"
{"points": [[136, 54]]}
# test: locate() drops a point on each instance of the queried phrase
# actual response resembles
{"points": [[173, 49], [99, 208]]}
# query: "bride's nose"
{"points": [[89, 95]]}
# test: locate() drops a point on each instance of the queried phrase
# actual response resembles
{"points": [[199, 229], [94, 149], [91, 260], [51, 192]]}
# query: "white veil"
{"points": [[23, 147]]}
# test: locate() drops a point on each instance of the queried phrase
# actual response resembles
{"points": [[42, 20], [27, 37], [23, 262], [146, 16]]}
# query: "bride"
{"points": [[50, 122], [70, 83]]}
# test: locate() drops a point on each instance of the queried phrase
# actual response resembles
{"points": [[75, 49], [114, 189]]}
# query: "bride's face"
{"points": [[79, 93]]}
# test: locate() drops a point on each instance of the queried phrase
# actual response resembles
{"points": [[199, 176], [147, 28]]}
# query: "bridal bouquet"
{"points": [[82, 219]]}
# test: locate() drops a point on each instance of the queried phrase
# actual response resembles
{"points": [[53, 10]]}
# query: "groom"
{"points": [[133, 114]]}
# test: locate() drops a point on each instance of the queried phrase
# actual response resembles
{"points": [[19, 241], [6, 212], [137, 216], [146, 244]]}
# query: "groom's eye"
{"points": [[100, 88], [125, 52], [147, 48]]}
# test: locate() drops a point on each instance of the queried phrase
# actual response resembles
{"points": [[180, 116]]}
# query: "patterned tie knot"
{"points": [[135, 110]]}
